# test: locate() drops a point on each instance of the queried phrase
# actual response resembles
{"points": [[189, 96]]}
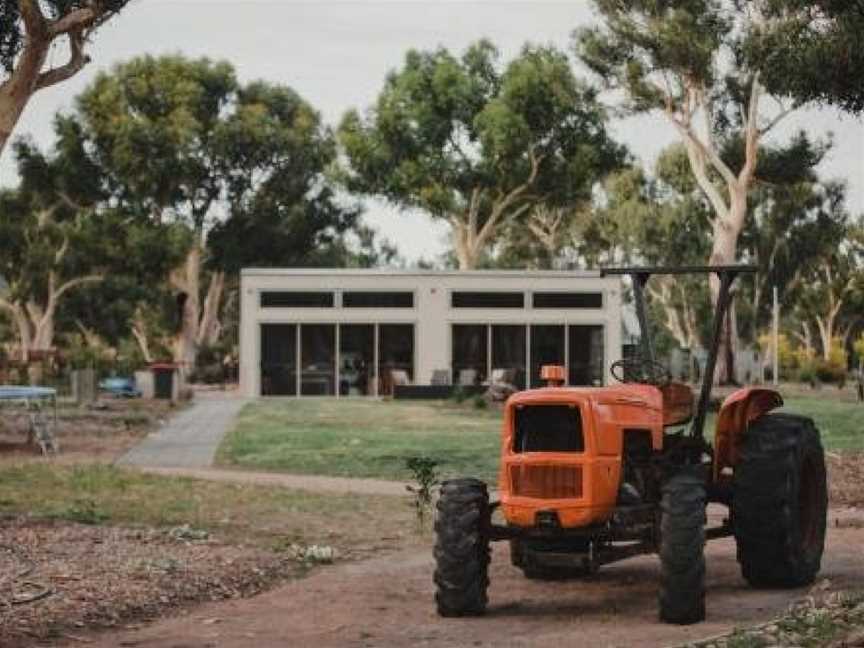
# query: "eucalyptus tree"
{"points": [[58, 236], [28, 31], [187, 143], [478, 145], [697, 63], [814, 52]]}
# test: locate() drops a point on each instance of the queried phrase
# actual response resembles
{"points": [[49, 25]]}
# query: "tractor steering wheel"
{"points": [[640, 370]]}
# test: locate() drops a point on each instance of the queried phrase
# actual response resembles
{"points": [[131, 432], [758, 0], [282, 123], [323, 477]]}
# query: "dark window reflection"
{"points": [[317, 359], [547, 347], [356, 359], [278, 359], [395, 356]]}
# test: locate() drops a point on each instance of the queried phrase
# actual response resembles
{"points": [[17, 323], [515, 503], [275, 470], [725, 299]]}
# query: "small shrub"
{"points": [[479, 402], [458, 394], [83, 511], [424, 470]]}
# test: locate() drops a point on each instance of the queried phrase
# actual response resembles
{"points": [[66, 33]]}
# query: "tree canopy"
{"points": [[243, 166], [696, 62], [58, 234], [813, 52], [477, 145]]}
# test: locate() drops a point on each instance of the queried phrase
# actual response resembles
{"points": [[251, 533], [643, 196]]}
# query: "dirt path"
{"points": [[314, 483], [387, 601]]}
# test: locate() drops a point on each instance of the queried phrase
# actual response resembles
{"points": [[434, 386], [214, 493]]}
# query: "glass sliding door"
{"points": [[278, 359], [586, 355], [395, 356], [547, 348], [317, 359], [469, 353], [508, 354], [356, 359]]}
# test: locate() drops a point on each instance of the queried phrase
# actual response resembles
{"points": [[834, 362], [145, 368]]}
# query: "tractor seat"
{"points": [[678, 403]]}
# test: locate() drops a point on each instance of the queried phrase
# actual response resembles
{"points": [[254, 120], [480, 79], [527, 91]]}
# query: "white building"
{"points": [[305, 331]]}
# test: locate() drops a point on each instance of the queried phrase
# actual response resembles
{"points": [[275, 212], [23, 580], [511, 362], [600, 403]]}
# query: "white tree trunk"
{"points": [[211, 328], [200, 325], [139, 332], [25, 333], [723, 252], [186, 281]]}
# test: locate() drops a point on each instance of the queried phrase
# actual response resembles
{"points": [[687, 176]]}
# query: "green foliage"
{"points": [[458, 394], [813, 53], [83, 511], [259, 147], [834, 367], [640, 40], [425, 474], [858, 346], [479, 402], [788, 359], [59, 236], [454, 136]]}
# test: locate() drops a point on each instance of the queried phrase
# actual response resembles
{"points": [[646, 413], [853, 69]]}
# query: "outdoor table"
{"points": [[42, 427]]}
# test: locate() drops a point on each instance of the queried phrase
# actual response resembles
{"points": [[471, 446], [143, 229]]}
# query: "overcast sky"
{"points": [[336, 54]]}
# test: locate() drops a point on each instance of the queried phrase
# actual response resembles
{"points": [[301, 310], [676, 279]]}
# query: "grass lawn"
{"points": [[363, 438], [840, 421], [367, 438], [256, 515]]}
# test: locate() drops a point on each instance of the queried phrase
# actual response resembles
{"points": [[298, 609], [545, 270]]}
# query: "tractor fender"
{"points": [[740, 408]]}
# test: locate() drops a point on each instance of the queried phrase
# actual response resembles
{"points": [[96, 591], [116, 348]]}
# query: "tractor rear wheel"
{"points": [[682, 547], [462, 548], [780, 502]]}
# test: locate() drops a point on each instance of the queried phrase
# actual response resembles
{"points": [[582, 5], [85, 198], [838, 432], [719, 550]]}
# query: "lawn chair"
{"points": [[441, 377], [467, 377]]}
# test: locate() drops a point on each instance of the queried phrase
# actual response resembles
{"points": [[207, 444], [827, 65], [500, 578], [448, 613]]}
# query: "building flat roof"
{"points": [[365, 272]]}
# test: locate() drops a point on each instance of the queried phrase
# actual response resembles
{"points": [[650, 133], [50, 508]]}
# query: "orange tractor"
{"points": [[593, 475]]}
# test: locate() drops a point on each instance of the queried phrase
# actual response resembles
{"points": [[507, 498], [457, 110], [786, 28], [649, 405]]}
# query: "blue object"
{"points": [[15, 392], [123, 387]]}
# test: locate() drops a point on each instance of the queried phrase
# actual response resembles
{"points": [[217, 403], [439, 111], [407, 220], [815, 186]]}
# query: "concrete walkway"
{"points": [[190, 438], [186, 447]]}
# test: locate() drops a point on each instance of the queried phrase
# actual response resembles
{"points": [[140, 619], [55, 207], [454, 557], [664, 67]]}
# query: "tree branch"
{"points": [[696, 155], [751, 132], [72, 283], [34, 20], [76, 20], [711, 152], [9, 306], [77, 60]]}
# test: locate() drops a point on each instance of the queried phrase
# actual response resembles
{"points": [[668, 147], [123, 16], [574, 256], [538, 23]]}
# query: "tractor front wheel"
{"points": [[682, 547], [780, 501], [462, 548]]}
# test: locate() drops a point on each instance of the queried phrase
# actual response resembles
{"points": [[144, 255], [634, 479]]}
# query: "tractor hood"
{"points": [[646, 396]]}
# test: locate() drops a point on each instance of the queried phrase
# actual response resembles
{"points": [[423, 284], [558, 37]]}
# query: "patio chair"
{"points": [[467, 377], [399, 377], [441, 377]]}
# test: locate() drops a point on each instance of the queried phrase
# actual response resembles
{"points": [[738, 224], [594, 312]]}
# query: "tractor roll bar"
{"points": [[727, 275]]}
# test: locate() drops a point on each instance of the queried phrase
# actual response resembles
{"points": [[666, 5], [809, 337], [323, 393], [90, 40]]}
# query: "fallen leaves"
{"points": [[107, 576]]}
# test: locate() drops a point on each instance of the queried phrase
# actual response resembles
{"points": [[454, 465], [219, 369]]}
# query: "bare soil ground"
{"points": [[97, 576], [388, 601], [846, 478], [85, 434]]}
